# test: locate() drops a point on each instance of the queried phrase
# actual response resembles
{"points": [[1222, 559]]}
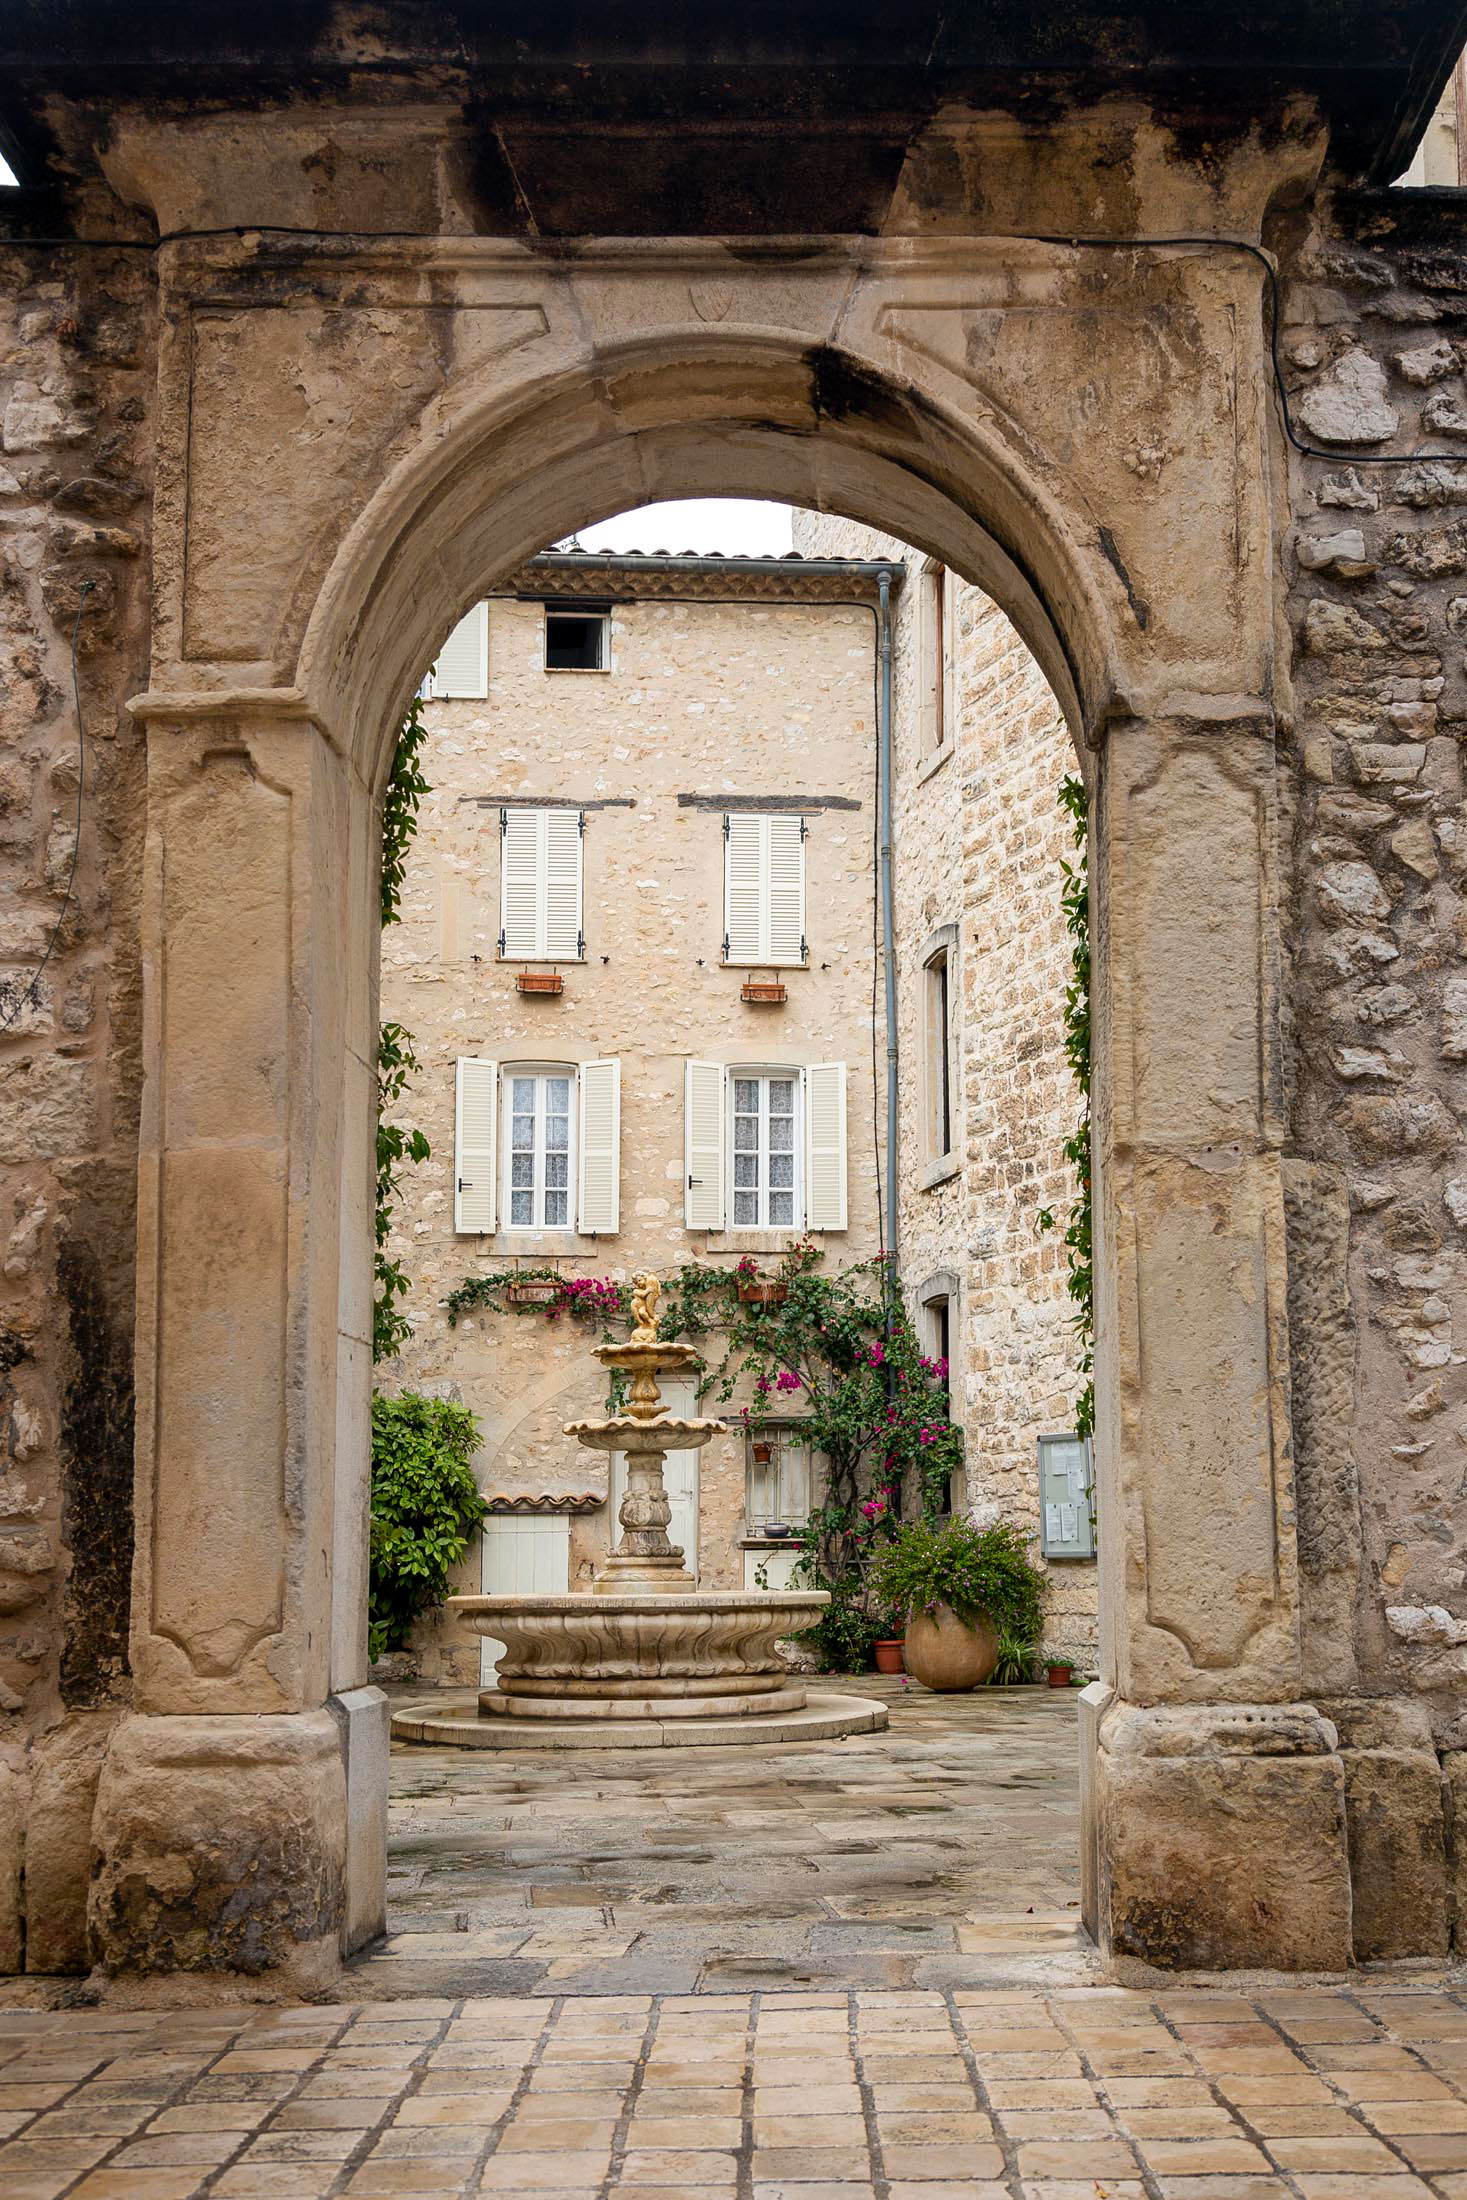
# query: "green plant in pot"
{"points": [[962, 1588]]}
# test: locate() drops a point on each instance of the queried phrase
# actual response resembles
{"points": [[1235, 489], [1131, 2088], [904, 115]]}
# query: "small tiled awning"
{"points": [[548, 1501]]}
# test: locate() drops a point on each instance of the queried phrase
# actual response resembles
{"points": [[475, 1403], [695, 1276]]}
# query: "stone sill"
{"points": [[769, 1543], [940, 1171]]}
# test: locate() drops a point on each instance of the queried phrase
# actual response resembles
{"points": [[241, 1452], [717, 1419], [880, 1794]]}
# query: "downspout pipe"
{"points": [[888, 912]]}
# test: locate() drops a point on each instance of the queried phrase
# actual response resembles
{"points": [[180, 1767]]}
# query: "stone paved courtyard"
{"points": [[915, 1857], [1087, 2094]]}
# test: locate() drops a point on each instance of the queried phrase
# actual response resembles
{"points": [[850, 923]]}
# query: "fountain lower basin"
{"points": [[629, 1656]]}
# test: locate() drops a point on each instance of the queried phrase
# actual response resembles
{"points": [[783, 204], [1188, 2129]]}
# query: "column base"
{"points": [[1396, 1808], [218, 1846], [1220, 1838]]}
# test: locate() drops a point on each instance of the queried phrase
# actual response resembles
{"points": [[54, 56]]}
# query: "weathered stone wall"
{"points": [[1374, 343], [764, 696], [979, 838], [77, 365]]}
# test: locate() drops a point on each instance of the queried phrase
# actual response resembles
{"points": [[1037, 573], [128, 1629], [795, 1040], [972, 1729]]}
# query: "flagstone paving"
{"points": [[916, 1857], [1283, 2093]]}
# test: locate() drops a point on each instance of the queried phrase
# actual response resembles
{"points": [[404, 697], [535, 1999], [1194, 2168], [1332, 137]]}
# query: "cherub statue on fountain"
{"points": [[646, 1291]]}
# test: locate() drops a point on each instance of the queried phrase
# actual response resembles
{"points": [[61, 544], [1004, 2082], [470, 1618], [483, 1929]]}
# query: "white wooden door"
{"points": [[679, 1477], [524, 1554]]}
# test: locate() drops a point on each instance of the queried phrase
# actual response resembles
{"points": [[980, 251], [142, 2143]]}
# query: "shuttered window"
{"points": [[600, 1202], [540, 885], [462, 666], [763, 889], [703, 1146], [765, 1149], [539, 1149], [825, 1146], [476, 1105]]}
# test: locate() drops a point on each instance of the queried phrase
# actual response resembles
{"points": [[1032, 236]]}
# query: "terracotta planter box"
{"points": [[945, 1654], [762, 1294], [890, 1657], [540, 981], [767, 991], [1058, 1676], [530, 1294]]}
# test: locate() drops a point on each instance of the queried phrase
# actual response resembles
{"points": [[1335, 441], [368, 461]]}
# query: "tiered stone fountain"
{"points": [[645, 1659]]}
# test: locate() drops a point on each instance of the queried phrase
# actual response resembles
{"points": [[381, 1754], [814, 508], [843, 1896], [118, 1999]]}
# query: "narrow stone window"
{"points": [[939, 1055], [577, 641]]}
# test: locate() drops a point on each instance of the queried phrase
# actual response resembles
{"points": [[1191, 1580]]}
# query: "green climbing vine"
{"points": [[396, 1061], [1075, 903]]}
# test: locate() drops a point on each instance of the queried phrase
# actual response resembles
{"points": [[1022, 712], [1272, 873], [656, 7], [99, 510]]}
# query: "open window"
{"points": [[577, 639]]}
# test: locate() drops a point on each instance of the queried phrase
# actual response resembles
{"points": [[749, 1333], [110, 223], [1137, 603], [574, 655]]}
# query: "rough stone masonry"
{"points": [[497, 293]]}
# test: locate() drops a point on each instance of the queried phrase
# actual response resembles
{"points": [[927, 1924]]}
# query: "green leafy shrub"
{"points": [[425, 1507], [1017, 1658], [842, 1639], [974, 1571]]}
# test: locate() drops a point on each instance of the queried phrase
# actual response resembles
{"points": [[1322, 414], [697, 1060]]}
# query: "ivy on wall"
{"points": [[396, 1061], [1075, 902]]}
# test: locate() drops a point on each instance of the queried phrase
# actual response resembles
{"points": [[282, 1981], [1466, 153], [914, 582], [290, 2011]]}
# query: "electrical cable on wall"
{"points": [[1343, 455], [32, 991]]}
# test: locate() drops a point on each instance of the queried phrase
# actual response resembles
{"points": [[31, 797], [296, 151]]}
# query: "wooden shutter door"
{"points": [[743, 889], [462, 668], [520, 894], [560, 939], [785, 899], [703, 1142], [825, 1146], [476, 1119], [523, 1555], [599, 1207]]}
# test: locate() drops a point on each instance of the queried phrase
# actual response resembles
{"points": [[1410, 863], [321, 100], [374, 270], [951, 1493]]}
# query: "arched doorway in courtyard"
{"points": [[263, 1032]]}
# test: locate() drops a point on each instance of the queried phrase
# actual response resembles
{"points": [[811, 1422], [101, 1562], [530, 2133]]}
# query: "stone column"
{"points": [[221, 1832], [1214, 1796]]}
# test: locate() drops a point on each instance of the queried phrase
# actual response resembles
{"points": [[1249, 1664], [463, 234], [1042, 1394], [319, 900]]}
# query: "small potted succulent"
{"points": [[961, 1587]]}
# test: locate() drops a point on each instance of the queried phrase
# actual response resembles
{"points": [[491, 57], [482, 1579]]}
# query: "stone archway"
{"points": [[359, 444]]}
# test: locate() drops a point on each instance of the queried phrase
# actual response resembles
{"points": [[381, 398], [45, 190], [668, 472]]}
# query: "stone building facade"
{"points": [[486, 318], [721, 689], [986, 1096]]}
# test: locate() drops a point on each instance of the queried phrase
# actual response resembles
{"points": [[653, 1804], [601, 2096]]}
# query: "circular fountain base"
{"points": [[457, 1722], [614, 1670]]}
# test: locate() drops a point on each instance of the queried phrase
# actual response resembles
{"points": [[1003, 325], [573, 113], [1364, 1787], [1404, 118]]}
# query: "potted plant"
{"points": [[889, 1649], [1057, 1672], [960, 1587]]}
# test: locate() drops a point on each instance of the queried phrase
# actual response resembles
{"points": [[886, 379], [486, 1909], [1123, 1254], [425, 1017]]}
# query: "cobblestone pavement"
{"points": [[917, 1857], [1086, 2094]]}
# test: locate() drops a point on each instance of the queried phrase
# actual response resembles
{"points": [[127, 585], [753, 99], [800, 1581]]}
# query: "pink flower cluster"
{"points": [[786, 1380], [877, 1505], [876, 1355], [937, 1369], [598, 1293]]}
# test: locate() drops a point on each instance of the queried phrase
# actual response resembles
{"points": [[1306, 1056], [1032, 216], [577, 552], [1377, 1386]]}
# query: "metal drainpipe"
{"points": [[888, 918]]}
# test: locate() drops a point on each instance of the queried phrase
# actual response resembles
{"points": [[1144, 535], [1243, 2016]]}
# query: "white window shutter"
{"points": [[475, 1122], [786, 889], [703, 1142], [600, 1158], [825, 1146], [462, 667], [743, 889], [561, 937], [519, 885]]}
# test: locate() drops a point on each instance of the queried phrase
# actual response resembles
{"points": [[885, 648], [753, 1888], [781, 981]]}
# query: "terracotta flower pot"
{"points": [[943, 1652], [1058, 1674], [889, 1657]]}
